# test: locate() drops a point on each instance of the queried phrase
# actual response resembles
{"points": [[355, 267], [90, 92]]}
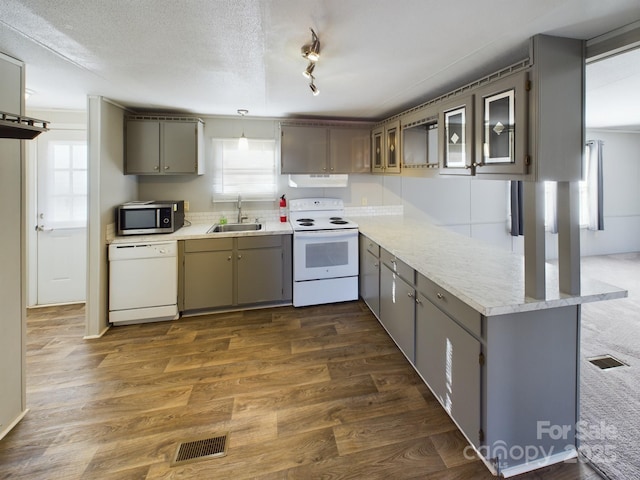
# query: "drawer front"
{"points": [[451, 305], [259, 241], [372, 247], [208, 244], [397, 266]]}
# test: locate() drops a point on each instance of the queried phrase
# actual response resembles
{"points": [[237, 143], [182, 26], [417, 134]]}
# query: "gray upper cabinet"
{"points": [[349, 150], [501, 126], [324, 149], [158, 146]]}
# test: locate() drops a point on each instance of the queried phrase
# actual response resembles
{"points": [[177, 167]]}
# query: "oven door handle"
{"points": [[327, 233]]}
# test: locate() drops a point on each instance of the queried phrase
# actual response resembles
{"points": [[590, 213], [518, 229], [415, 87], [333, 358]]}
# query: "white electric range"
{"points": [[325, 252]]}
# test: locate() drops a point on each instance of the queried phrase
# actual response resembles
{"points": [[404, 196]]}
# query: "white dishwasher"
{"points": [[143, 282]]}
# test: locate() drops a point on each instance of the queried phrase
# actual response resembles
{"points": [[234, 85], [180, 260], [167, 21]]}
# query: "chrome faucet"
{"points": [[241, 217]]}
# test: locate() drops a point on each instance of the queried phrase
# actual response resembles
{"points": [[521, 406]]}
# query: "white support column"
{"points": [[534, 240], [569, 237]]}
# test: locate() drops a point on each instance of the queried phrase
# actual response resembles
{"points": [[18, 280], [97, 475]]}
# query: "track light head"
{"points": [[308, 73], [313, 87], [311, 51]]}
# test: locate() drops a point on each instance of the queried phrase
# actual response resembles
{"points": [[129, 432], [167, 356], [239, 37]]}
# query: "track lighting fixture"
{"points": [[311, 51], [243, 143]]}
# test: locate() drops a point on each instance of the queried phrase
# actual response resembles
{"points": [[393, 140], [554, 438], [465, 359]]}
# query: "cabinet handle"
{"points": [[229, 257], [418, 301], [410, 294], [239, 257], [166, 167], [156, 167], [376, 264], [440, 296]]}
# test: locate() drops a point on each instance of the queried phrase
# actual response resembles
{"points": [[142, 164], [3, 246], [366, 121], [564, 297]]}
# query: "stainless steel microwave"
{"points": [[145, 217]]}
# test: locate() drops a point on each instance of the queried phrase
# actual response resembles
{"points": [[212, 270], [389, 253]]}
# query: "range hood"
{"points": [[318, 180], [20, 127]]}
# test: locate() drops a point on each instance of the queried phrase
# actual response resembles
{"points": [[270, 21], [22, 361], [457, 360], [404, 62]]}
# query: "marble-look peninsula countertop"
{"points": [[486, 278], [199, 230]]}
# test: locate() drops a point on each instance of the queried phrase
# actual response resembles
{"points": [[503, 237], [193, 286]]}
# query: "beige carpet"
{"points": [[610, 399]]}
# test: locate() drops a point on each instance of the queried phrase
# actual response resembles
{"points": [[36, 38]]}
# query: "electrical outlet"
{"points": [[186, 205], [364, 201]]}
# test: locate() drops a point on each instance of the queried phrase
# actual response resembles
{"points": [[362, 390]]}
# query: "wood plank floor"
{"points": [[315, 392]]}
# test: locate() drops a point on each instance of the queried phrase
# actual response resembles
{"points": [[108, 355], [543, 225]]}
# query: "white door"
{"points": [[62, 217]]}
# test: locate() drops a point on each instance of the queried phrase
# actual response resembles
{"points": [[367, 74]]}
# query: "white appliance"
{"points": [[325, 252], [143, 282]]}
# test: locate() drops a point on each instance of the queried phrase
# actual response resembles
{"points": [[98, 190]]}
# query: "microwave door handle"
{"points": [[158, 224]]}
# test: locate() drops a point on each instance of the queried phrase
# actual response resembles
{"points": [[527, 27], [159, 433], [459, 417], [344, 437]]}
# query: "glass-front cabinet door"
{"points": [[501, 126], [392, 140], [377, 150], [385, 148], [456, 138]]}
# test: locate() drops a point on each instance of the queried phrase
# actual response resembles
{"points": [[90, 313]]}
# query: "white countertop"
{"points": [[199, 230], [488, 279]]}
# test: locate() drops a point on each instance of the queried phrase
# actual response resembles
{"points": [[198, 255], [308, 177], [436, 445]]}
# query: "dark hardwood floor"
{"points": [[315, 392]]}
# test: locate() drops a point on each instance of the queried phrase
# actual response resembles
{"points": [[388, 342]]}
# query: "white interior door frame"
{"points": [[31, 200]]}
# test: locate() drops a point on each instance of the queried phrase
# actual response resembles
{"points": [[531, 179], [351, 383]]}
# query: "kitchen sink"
{"points": [[234, 227]]}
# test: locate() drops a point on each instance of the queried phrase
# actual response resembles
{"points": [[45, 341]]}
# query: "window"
{"points": [[248, 172], [66, 190]]}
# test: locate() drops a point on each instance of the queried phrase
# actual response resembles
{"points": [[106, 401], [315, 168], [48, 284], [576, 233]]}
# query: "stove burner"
{"points": [[335, 218], [305, 220], [306, 224], [339, 222]]}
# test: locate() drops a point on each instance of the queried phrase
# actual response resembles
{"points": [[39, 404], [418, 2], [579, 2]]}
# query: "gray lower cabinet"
{"points": [[397, 303], [232, 272], [370, 274], [447, 358], [208, 273], [508, 381], [260, 269]]}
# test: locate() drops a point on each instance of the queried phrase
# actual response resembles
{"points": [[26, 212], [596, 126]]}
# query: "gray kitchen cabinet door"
{"points": [[349, 150], [397, 310], [369, 277], [260, 275], [142, 154], [447, 358], [208, 279], [303, 149], [179, 147]]}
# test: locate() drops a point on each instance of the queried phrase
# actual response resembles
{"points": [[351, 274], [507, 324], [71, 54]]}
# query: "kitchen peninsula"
{"points": [[503, 365]]}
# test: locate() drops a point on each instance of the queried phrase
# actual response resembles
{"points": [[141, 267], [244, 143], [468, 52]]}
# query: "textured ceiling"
{"points": [[215, 56]]}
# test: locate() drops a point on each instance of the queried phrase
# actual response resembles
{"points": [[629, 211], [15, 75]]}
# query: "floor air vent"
{"points": [[196, 450], [606, 361]]}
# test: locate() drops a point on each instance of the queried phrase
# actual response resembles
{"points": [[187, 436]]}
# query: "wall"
{"points": [[621, 172], [12, 282], [471, 206], [107, 187]]}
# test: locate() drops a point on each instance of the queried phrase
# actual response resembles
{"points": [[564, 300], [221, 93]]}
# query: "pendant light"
{"points": [[243, 143]]}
